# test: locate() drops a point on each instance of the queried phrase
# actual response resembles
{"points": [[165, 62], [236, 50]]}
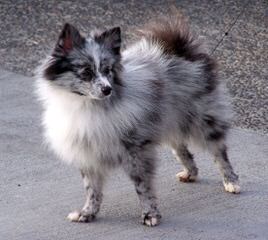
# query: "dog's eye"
{"points": [[87, 73], [107, 70]]}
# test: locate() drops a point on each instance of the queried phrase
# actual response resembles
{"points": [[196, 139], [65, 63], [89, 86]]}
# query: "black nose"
{"points": [[106, 90]]}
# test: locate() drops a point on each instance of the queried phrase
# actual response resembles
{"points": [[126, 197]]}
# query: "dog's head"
{"points": [[87, 67]]}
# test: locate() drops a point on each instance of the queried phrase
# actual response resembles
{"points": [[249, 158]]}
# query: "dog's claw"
{"points": [[185, 176]]}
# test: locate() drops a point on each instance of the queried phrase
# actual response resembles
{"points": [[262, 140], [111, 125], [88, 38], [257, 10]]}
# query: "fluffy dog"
{"points": [[105, 108]]}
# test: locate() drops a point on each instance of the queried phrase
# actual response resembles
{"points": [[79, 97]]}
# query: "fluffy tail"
{"points": [[173, 34]]}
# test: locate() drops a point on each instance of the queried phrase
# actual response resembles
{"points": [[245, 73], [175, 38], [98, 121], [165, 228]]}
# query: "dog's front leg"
{"points": [[150, 213], [140, 170], [93, 183]]}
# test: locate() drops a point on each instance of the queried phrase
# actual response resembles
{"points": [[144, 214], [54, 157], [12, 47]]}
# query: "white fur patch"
{"points": [[231, 187], [151, 222], [78, 135], [73, 216]]}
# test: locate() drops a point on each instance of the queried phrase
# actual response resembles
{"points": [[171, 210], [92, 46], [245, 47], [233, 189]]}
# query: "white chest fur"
{"points": [[78, 135]]}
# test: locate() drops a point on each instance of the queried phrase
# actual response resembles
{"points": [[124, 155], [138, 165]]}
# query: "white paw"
{"points": [[231, 187], [150, 219], [74, 216], [184, 176], [151, 222]]}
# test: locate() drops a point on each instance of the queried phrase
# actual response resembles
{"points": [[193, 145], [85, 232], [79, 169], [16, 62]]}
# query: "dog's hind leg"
{"points": [[93, 183], [230, 179], [215, 131], [190, 171]]}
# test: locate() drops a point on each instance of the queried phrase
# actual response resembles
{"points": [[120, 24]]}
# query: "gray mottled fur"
{"points": [[160, 95]]}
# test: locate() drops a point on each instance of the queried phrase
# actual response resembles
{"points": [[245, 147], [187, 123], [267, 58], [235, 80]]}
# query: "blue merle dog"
{"points": [[105, 108]]}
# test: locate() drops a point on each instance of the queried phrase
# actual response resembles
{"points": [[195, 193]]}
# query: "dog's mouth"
{"points": [[101, 97], [78, 93]]}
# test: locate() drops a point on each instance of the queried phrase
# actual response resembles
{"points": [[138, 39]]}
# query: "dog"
{"points": [[105, 107]]}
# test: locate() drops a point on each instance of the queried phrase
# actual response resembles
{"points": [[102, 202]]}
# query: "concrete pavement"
{"points": [[37, 191]]}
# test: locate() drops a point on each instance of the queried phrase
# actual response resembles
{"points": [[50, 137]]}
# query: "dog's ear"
{"points": [[111, 39], [68, 39]]}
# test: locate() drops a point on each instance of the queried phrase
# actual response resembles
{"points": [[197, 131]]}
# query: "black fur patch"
{"points": [[210, 120], [111, 39], [117, 69], [224, 154], [216, 135], [137, 180], [138, 191], [218, 128], [56, 68], [145, 142], [189, 155]]}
